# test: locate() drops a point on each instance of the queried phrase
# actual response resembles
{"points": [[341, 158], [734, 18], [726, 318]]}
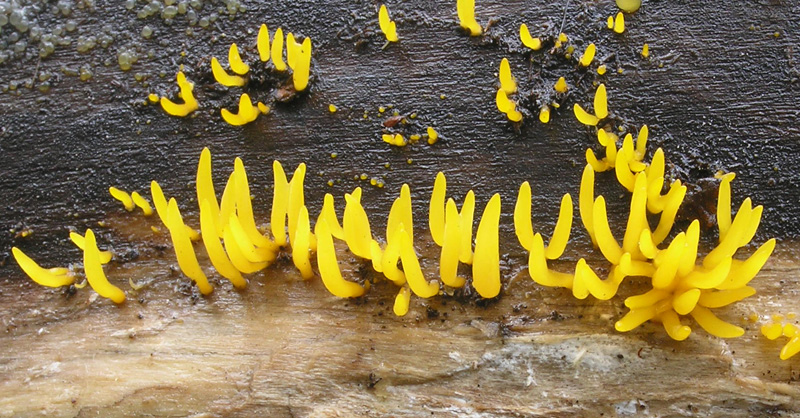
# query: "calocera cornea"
{"points": [[52, 277], [235, 61], [528, 40], [588, 55], [222, 76], [277, 50], [388, 26], [302, 68], [600, 108], [779, 327], [123, 197], [80, 242], [247, 112], [561, 85], [262, 43], [466, 17], [189, 104], [94, 271]]}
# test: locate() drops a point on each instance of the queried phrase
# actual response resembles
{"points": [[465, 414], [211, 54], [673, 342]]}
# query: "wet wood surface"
{"points": [[719, 92]]}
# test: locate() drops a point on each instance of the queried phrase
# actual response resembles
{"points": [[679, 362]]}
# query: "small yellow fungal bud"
{"points": [[544, 114], [152, 97], [142, 203], [562, 37], [507, 82], [189, 105], [772, 330], [235, 61], [277, 51], [561, 85], [402, 301], [514, 116], [388, 26], [433, 136], [645, 51], [610, 22], [40, 275], [527, 40], [601, 70], [264, 109], [629, 6], [466, 17], [588, 55], [123, 197], [223, 77], [332, 108], [262, 43], [619, 23]]}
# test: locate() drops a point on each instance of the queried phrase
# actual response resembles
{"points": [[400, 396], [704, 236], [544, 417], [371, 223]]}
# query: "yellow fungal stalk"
{"points": [[302, 68], [507, 106], [388, 27], [223, 77], [216, 253], [80, 242], [235, 60], [189, 103], [262, 43], [247, 112], [297, 201], [301, 245], [277, 51], [433, 136], [329, 266], [94, 271], [645, 51], [436, 210], [187, 260], [544, 114], [486, 265], [142, 203], [402, 301], [466, 17], [561, 85], [527, 40], [123, 197], [600, 108], [507, 82], [356, 228], [588, 55], [619, 23], [412, 269], [54, 277], [292, 50]]}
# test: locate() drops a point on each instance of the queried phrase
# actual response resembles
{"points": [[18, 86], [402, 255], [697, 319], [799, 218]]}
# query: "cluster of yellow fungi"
{"points": [[298, 59], [778, 327], [387, 25], [616, 23], [508, 86]]}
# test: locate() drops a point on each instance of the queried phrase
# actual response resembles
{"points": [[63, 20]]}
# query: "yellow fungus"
{"points": [[601, 289], [123, 197], [514, 116], [205, 190], [686, 301], [673, 326], [504, 104], [223, 77], [772, 330], [356, 227], [448, 260], [586, 201], [388, 26], [745, 271], [486, 265], [561, 85], [584, 117], [664, 275], [244, 208], [300, 245], [523, 226], [235, 61], [277, 51], [605, 239], [791, 348], [436, 209], [433, 136], [601, 70], [467, 213], [637, 217], [328, 214], [187, 260], [152, 97], [634, 318], [544, 114], [303, 66], [262, 43], [645, 51], [216, 253], [507, 82], [629, 6], [332, 108], [402, 301], [558, 241], [619, 23], [722, 298], [715, 326], [296, 199], [292, 50], [466, 17], [527, 40], [401, 214], [601, 102], [40, 275], [189, 102], [610, 22], [724, 205], [588, 55], [142, 203], [562, 37], [237, 254], [413, 271], [94, 271], [329, 266], [246, 114], [390, 258], [80, 242]]}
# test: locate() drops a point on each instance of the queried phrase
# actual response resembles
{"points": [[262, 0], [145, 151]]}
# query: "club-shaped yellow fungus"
{"points": [[610, 22], [244, 208], [527, 40], [123, 197], [402, 301], [601, 102], [302, 69], [401, 214], [296, 198], [436, 209], [301, 245], [80, 242], [223, 77], [142, 203], [247, 112], [588, 55], [280, 204], [561, 40], [584, 117], [237, 254], [544, 114], [189, 102], [292, 50], [262, 43], [486, 264], [601, 70], [332, 108], [329, 266], [466, 17], [629, 6], [277, 51], [187, 260], [55, 277], [561, 85], [160, 202], [619, 23], [328, 213], [216, 253], [448, 260], [523, 226], [504, 104], [206, 193], [235, 61], [388, 27], [355, 223], [645, 51], [94, 271], [507, 82], [433, 136], [412, 269]]}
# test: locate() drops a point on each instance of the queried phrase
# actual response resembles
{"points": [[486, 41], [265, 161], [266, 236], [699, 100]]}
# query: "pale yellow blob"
{"points": [[629, 6], [45, 277], [94, 271]]}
